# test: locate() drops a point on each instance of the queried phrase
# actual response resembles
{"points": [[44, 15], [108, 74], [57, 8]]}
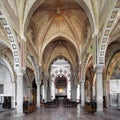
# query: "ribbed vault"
{"points": [[59, 48], [54, 19]]}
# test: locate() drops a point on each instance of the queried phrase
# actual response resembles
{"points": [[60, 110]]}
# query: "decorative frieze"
{"points": [[106, 34], [13, 42]]}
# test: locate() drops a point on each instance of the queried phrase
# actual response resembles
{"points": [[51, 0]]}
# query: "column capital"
{"points": [[82, 82], [37, 83], [99, 68], [78, 83], [20, 72]]}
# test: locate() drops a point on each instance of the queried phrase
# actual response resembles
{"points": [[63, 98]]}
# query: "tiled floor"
{"points": [[62, 114]]}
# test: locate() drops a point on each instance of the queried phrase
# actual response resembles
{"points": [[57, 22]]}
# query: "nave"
{"points": [[62, 113], [59, 48]]}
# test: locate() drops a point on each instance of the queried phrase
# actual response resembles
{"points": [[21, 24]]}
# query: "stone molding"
{"points": [[20, 72]]}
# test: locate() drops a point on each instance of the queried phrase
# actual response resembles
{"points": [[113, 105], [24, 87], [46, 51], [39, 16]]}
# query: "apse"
{"points": [[61, 85]]}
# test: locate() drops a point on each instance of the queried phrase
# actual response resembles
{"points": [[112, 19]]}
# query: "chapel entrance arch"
{"points": [[60, 78], [61, 85]]}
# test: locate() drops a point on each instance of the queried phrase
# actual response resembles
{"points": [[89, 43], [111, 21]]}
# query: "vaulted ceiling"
{"points": [[58, 27]]}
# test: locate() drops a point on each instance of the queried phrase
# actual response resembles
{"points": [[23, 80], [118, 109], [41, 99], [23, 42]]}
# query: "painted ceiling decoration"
{"points": [[47, 29], [60, 47], [55, 21]]}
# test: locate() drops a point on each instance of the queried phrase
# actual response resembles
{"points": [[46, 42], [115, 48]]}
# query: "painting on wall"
{"points": [[116, 72]]}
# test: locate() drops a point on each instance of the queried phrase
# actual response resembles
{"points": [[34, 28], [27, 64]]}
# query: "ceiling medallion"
{"points": [[58, 10]]}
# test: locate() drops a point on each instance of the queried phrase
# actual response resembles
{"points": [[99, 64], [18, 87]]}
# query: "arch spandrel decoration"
{"points": [[12, 39]]}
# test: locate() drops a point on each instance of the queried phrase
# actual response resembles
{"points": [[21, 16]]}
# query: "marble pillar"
{"points": [[30, 93], [38, 95], [68, 90], [13, 102], [43, 93], [19, 91], [99, 89], [82, 93], [52, 90], [93, 93], [78, 93]]}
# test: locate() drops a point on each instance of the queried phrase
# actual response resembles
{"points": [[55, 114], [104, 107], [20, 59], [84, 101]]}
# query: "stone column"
{"points": [[30, 93], [99, 89], [82, 93], [13, 102], [68, 90], [38, 94], [107, 93], [78, 93], [19, 73], [52, 90], [93, 93], [43, 92]]}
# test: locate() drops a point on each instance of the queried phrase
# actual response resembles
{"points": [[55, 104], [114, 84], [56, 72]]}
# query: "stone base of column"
{"points": [[82, 104], [100, 113], [19, 115], [77, 101], [38, 107]]}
